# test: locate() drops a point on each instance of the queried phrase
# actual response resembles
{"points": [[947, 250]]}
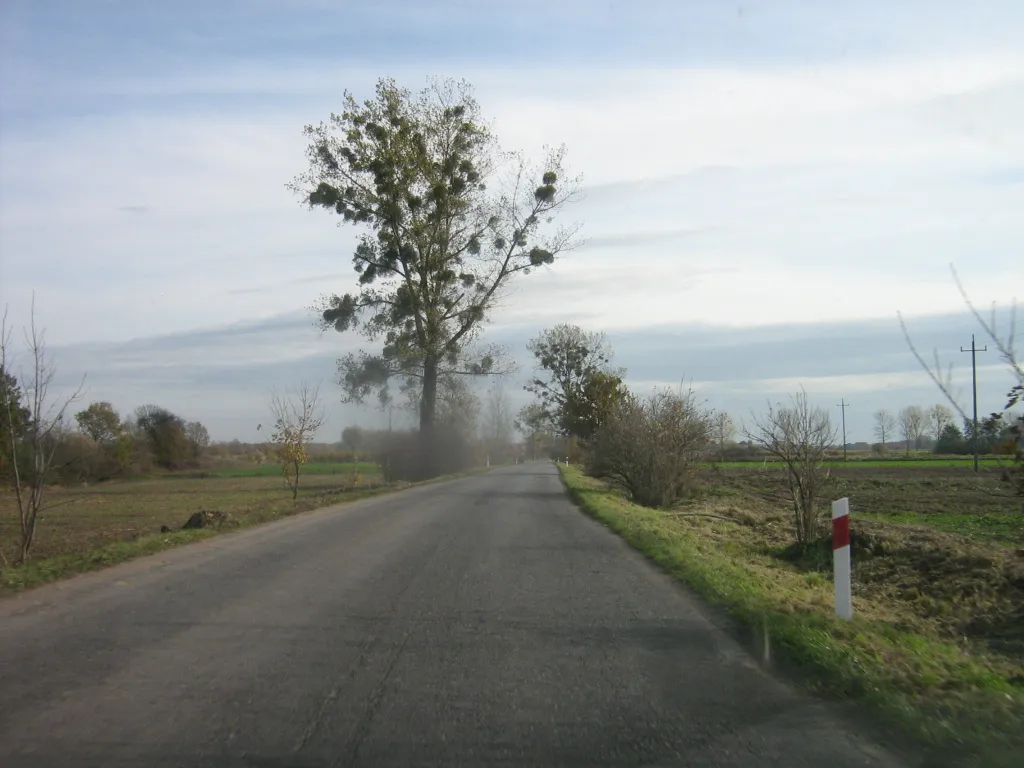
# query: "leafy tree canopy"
{"points": [[100, 422], [165, 433], [576, 385], [447, 220]]}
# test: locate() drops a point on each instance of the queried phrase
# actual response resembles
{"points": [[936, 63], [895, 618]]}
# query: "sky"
{"points": [[765, 185]]}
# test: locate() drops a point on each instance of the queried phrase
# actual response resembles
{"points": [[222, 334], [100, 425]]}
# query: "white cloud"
{"points": [[735, 197]]}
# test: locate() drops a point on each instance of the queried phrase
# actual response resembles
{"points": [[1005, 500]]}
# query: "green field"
{"points": [[313, 468], [938, 461]]}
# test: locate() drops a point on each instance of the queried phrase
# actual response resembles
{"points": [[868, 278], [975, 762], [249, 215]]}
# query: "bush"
{"points": [[651, 447], [79, 459], [800, 437]]}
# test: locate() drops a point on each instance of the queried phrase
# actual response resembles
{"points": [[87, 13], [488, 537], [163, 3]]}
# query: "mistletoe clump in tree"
{"points": [[448, 219]]}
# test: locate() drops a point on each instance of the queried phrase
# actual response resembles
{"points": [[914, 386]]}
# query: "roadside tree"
{"points": [[448, 221], [575, 382], [297, 419], [33, 422]]}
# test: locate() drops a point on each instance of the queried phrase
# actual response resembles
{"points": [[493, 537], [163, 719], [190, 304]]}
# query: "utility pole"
{"points": [[974, 388], [844, 405]]}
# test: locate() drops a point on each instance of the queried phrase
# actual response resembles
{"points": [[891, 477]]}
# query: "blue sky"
{"points": [[766, 185]]}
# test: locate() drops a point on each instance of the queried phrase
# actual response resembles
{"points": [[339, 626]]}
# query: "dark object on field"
{"points": [[205, 519]]}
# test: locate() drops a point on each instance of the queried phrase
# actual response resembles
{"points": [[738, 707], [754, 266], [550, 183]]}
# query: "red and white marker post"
{"points": [[841, 557]]}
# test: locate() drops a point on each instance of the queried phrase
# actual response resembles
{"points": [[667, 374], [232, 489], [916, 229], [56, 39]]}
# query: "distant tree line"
{"points": [[935, 429], [99, 443]]}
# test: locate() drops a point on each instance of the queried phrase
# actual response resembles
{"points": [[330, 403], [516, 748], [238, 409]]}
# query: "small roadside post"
{"points": [[841, 558]]}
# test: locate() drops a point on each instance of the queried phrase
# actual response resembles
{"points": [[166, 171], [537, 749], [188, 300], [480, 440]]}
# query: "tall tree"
{"points": [[951, 440], [442, 235], [939, 416], [912, 422], [353, 438], [575, 383], [100, 422], [722, 431], [198, 438], [885, 425], [165, 434], [104, 426], [457, 406], [535, 425], [497, 423]]}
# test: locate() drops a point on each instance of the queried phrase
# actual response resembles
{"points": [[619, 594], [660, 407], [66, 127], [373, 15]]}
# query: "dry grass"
{"points": [[935, 550], [89, 527]]}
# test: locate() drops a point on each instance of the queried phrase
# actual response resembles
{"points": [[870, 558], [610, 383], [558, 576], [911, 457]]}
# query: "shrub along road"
{"points": [[484, 621]]}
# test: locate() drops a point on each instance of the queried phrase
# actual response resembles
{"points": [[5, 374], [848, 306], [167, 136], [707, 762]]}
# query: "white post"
{"points": [[841, 557]]}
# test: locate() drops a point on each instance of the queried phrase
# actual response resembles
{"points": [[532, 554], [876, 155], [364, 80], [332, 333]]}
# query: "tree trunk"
{"points": [[428, 408], [28, 534], [295, 486], [428, 400]]}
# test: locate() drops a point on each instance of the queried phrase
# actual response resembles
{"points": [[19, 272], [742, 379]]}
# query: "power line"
{"points": [[974, 387], [844, 405]]}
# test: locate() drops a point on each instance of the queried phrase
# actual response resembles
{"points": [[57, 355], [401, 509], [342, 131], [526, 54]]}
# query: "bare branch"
{"points": [[651, 447], [943, 382], [1013, 470], [32, 452], [297, 419], [799, 436], [1006, 347]]}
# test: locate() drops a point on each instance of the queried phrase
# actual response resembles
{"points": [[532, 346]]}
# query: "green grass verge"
{"points": [[949, 700]]}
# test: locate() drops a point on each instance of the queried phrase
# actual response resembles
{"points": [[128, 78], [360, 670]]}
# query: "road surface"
{"points": [[481, 622]]}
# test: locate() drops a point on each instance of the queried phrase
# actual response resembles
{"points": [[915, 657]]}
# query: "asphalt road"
{"points": [[482, 622]]}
